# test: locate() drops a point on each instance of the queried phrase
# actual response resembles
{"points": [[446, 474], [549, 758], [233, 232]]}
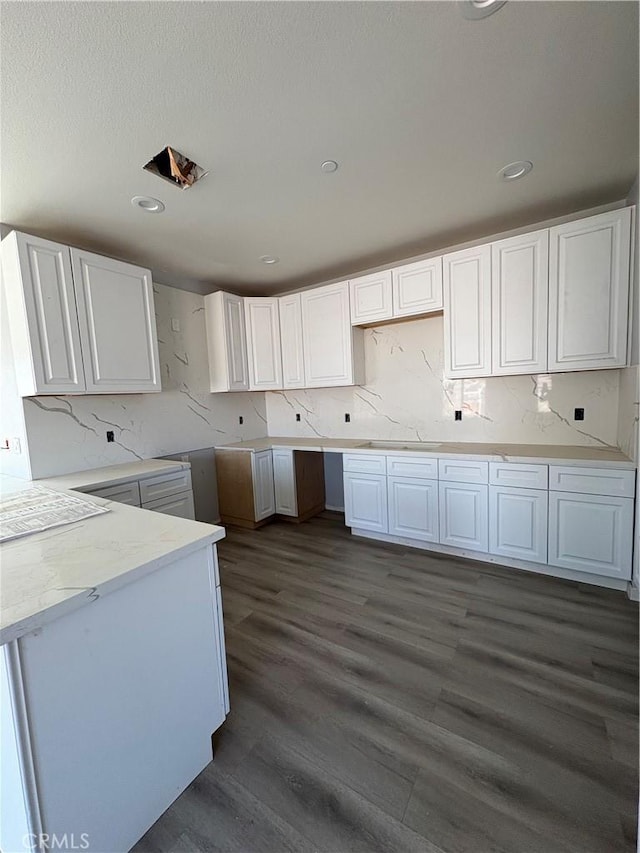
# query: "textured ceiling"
{"points": [[419, 106]]}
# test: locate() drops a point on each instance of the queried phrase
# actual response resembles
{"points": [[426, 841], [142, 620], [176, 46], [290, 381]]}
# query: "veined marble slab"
{"points": [[113, 474], [46, 575], [552, 454]]}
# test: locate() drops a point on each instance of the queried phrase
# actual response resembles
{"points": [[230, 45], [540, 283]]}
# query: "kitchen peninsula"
{"points": [[96, 621]]}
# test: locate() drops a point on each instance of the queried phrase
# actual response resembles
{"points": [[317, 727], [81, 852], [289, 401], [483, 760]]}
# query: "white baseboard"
{"points": [[633, 592], [334, 508]]}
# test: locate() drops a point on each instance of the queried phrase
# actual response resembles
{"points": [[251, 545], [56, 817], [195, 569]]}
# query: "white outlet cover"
{"points": [[175, 325]]}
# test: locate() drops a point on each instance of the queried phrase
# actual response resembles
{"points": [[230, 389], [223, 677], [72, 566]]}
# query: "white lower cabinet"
{"points": [[518, 523], [263, 491], [365, 501], [591, 533], [413, 508], [284, 482], [464, 516], [180, 505]]}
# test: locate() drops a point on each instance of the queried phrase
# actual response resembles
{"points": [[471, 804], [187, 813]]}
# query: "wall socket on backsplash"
{"points": [[457, 415], [578, 414], [347, 418]]}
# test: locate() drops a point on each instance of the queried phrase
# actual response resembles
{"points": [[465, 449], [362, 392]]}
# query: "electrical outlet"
{"points": [[110, 435], [15, 446], [347, 418], [240, 420], [457, 414], [297, 416], [175, 325], [578, 414]]}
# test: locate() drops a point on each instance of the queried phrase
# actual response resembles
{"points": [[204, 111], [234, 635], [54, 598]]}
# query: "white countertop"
{"points": [[552, 454], [94, 478], [45, 575]]}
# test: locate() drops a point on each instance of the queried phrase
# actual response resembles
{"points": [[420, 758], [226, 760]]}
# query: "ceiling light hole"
{"points": [[269, 259], [329, 166], [147, 203], [474, 10], [514, 171]]}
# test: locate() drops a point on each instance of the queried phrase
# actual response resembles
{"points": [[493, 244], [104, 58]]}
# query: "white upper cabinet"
{"points": [[333, 351], [467, 306], [263, 343], [519, 291], [291, 341], [226, 342], [371, 298], [417, 288], [589, 292], [41, 307], [80, 323], [117, 325]]}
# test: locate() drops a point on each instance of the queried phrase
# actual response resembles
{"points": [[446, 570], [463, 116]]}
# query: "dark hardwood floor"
{"points": [[384, 699]]}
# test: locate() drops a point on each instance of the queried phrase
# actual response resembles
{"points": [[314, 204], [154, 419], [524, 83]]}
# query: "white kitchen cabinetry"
{"points": [[519, 291], [226, 342], [80, 323], [333, 350], [284, 481], [518, 523], [291, 339], [365, 501], [371, 298], [467, 312], [413, 508], [589, 292], [117, 325], [464, 509], [170, 493], [263, 343], [417, 287], [263, 490]]}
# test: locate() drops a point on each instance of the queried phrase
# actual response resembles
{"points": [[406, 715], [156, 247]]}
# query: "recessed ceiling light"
{"points": [[515, 170], [146, 202], [269, 259], [474, 10], [329, 166]]}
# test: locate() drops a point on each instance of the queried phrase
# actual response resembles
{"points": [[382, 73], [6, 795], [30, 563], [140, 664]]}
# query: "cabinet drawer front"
{"points": [[592, 481], [364, 463], [165, 485], [123, 493], [590, 533], [517, 475], [180, 505], [463, 471], [412, 466]]}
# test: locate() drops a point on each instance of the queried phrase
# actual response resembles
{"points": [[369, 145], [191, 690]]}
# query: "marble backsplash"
{"points": [[69, 433], [629, 411], [406, 397]]}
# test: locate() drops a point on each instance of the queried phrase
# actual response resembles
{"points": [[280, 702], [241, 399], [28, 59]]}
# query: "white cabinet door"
{"points": [[589, 292], [591, 533], [370, 297], [117, 325], [41, 307], [284, 481], [291, 341], [365, 501], [328, 337], [413, 508], [236, 342], [263, 493], [519, 296], [518, 523], [467, 312], [263, 343], [417, 288], [464, 516]]}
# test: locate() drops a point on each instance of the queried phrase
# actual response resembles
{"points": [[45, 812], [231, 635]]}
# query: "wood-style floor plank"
{"points": [[387, 699]]}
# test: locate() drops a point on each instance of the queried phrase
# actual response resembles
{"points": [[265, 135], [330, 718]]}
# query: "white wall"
{"points": [[69, 433], [406, 397]]}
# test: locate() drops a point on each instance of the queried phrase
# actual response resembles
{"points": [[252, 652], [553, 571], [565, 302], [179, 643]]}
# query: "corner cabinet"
{"points": [[333, 350], [80, 323], [226, 342], [467, 312], [290, 312], [589, 292]]}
